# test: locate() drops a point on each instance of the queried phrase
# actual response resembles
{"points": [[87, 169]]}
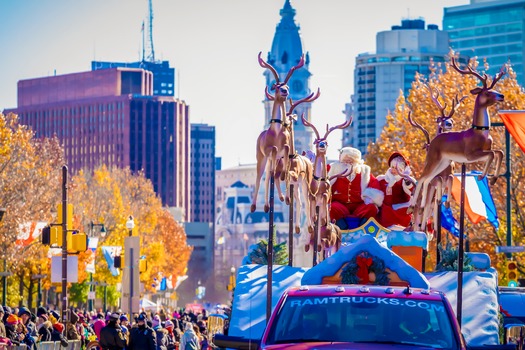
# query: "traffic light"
{"points": [[143, 265], [77, 242], [118, 262], [46, 235], [512, 273]]}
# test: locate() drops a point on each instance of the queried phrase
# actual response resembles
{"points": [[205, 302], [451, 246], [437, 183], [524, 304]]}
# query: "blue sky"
{"points": [[212, 44]]}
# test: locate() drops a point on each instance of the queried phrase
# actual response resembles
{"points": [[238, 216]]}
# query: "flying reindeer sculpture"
{"points": [[442, 183], [320, 190], [274, 143], [299, 171], [467, 146]]}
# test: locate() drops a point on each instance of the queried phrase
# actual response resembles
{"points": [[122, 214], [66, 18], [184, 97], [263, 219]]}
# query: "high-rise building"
{"points": [[163, 74], [491, 29], [286, 52], [110, 117], [378, 78], [202, 173]]}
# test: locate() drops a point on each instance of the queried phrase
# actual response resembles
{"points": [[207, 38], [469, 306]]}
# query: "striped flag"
{"points": [[479, 204]]}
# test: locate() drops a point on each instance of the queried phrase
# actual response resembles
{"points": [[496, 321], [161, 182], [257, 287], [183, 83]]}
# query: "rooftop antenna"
{"points": [[150, 50]]}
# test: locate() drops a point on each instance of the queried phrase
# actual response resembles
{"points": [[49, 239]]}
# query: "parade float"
{"points": [[364, 252]]}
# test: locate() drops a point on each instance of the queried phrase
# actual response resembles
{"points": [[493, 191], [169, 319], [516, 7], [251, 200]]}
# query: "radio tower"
{"points": [[150, 57]]}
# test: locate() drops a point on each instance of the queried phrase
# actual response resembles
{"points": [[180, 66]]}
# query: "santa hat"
{"points": [[351, 152], [395, 155]]}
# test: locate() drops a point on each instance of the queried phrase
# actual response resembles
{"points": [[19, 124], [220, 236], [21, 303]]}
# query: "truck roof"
{"points": [[371, 290]]}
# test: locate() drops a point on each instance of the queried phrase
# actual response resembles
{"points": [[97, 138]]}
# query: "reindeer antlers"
{"points": [[483, 78], [434, 95], [340, 126], [310, 98], [328, 129], [264, 64]]}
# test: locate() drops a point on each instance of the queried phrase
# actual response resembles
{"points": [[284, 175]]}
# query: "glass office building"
{"points": [[491, 30]]}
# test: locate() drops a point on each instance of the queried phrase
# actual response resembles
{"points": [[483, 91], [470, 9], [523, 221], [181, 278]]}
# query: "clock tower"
{"points": [[286, 52]]}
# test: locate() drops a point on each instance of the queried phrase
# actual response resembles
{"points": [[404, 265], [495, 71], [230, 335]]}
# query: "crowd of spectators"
{"points": [[181, 329]]}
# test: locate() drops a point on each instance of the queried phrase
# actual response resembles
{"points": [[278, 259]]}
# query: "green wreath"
{"points": [[349, 273]]}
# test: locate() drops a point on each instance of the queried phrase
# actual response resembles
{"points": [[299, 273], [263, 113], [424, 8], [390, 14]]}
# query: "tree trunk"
{"points": [[30, 293], [21, 288]]}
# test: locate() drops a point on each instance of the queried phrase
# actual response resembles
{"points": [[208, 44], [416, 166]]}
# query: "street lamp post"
{"points": [[130, 224]]}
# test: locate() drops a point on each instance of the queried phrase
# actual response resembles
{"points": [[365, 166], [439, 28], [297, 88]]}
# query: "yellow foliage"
{"points": [[399, 135]]}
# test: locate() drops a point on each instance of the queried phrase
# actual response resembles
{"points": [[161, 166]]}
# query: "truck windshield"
{"points": [[364, 319]]}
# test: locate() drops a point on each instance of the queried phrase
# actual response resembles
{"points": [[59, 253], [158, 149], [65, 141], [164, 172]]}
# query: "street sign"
{"points": [[91, 295], [5, 274], [510, 249], [38, 277]]}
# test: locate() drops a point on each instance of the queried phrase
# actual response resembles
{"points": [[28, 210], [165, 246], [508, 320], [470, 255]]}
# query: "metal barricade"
{"points": [[47, 345], [73, 345], [17, 347]]}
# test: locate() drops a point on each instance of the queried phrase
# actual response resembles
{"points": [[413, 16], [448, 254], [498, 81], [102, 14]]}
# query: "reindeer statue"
{"points": [[442, 183], [320, 192], [274, 143], [299, 171], [467, 146]]}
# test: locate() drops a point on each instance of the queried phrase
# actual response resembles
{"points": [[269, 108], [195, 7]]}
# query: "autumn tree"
{"points": [[30, 187], [400, 136], [108, 196]]}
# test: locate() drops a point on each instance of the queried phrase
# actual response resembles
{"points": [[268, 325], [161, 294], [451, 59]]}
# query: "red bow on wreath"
{"points": [[362, 272]]}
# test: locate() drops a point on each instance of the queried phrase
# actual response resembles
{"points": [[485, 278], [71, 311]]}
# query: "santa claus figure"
{"points": [[397, 186], [357, 194]]}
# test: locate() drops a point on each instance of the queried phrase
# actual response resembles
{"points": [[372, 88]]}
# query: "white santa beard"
{"points": [[391, 179]]}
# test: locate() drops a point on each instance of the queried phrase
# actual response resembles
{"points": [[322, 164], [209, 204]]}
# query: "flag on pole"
{"points": [[515, 123], [479, 204], [109, 253]]}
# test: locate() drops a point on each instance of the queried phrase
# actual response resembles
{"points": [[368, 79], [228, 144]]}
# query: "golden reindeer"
{"points": [[299, 171], [442, 183], [467, 146], [274, 143], [320, 190]]}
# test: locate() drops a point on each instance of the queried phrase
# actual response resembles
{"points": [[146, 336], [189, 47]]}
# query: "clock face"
{"points": [[297, 85]]}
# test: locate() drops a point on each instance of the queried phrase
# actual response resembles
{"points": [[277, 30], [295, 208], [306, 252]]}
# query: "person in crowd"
{"points": [[171, 338], [57, 334], [10, 329], [72, 331], [162, 315], [142, 337], [356, 195], [31, 336], [189, 340], [44, 327], [160, 333], [79, 325], [124, 325], [397, 186], [99, 324], [111, 337]]}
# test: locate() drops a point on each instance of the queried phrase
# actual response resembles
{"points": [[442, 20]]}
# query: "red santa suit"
{"points": [[356, 195], [397, 192]]}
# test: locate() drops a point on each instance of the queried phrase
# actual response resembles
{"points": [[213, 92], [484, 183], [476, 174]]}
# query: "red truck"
{"points": [[358, 317]]}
